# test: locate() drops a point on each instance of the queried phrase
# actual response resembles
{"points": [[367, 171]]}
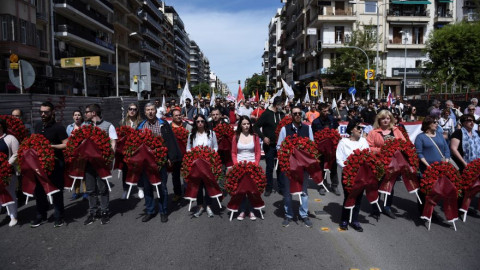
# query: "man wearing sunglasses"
{"points": [[301, 130], [161, 128], [57, 135]]}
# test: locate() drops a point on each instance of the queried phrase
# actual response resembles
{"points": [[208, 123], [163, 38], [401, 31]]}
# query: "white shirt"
{"points": [[204, 140], [246, 152], [346, 147], [244, 111]]}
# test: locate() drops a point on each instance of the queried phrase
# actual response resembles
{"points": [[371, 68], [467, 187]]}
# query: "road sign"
{"points": [[314, 89], [352, 90], [28, 75], [369, 74], [13, 58], [13, 65], [73, 62], [140, 71]]}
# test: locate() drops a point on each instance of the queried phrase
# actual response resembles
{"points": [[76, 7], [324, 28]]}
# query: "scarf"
{"points": [[470, 145]]}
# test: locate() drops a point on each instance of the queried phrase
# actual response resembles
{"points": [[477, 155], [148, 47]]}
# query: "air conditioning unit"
{"points": [[48, 71]]}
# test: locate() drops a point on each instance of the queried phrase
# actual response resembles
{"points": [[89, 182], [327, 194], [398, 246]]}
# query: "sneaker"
{"points": [[356, 226], [75, 196], [267, 193], [322, 191], [252, 216], [90, 219], [241, 216], [344, 225], [105, 218], [13, 222], [124, 195], [286, 222], [336, 191], [199, 212], [176, 198], [388, 212], [58, 223], [209, 212], [37, 222], [163, 218], [140, 193], [307, 222]]}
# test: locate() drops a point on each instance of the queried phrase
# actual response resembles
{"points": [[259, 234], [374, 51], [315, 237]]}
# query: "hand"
{"points": [[266, 141], [169, 163]]}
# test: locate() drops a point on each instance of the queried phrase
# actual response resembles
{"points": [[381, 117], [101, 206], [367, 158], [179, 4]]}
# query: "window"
{"points": [[418, 63], [370, 6], [23, 32], [4, 27], [339, 34], [371, 32]]}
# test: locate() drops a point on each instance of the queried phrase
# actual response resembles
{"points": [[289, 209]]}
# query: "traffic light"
{"points": [[319, 45]]}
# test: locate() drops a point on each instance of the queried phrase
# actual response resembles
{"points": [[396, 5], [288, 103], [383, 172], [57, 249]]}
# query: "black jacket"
{"points": [[268, 121]]}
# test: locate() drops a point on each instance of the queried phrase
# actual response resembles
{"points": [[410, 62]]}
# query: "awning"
{"points": [[445, 1], [412, 2]]}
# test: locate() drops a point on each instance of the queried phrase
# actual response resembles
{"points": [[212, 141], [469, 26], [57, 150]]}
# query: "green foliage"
{"points": [[257, 81], [202, 88], [454, 56], [351, 60]]}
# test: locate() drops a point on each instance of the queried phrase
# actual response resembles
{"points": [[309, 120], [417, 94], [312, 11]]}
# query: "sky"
{"points": [[230, 33]]}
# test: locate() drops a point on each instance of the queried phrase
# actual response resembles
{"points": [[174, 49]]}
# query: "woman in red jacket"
{"points": [[245, 147], [384, 129]]}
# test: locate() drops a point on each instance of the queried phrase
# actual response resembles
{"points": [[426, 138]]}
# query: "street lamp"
{"points": [[405, 62], [116, 62]]}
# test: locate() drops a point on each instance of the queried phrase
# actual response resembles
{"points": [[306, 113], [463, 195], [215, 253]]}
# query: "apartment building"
{"points": [[403, 27], [169, 69], [196, 64]]}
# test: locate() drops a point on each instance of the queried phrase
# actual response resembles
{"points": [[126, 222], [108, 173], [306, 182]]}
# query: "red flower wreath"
{"points": [[406, 147], [353, 163], [436, 170], [145, 136], [285, 121], [241, 168], [286, 150], [470, 174], [223, 130], [15, 127], [404, 132], [6, 170], [124, 131], [181, 134], [328, 133], [206, 153], [98, 136], [44, 150]]}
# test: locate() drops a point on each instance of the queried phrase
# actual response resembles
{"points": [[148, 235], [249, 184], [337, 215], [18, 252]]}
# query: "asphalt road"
{"points": [[216, 243]]}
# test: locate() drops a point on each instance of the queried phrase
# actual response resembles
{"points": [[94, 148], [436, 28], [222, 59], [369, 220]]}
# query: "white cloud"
{"points": [[232, 41]]}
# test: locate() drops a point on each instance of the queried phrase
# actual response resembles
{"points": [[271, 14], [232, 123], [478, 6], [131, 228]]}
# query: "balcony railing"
{"points": [[410, 12], [81, 7], [106, 3], [331, 11], [85, 35], [41, 16], [153, 8], [147, 47], [152, 35], [147, 17]]}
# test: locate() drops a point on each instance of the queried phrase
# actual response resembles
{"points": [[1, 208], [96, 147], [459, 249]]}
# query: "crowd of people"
{"points": [[447, 134]]}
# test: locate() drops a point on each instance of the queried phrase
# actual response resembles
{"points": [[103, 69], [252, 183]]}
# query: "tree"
{"points": [[202, 88], [253, 83], [350, 60], [454, 56]]}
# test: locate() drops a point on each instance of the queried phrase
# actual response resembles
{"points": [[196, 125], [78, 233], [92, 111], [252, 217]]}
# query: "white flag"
{"points": [[278, 94], [340, 98], [286, 101], [334, 103], [353, 98], [288, 90], [185, 94], [307, 97], [212, 99], [163, 104], [321, 97]]}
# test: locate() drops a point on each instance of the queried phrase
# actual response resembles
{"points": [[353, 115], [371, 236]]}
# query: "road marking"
{"points": [[340, 230], [325, 229], [374, 268], [318, 200], [354, 269]]}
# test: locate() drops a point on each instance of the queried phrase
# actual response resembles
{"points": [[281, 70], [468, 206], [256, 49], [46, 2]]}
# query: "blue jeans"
{"points": [[149, 191], [287, 197], [270, 154]]}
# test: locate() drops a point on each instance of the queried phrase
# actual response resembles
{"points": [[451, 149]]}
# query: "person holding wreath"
{"points": [[384, 129], [465, 142], [245, 147], [202, 135], [345, 148], [77, 123], [9, 146]]}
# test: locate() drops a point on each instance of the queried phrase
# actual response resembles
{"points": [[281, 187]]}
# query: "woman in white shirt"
{"points": [[201, 135], [9, 146], [245, 147], [345, 147]]}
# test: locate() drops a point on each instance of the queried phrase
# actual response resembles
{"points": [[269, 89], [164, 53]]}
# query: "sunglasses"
{"points": [[297, 113], [200, 121], [359, 128], [45, 112], [132, 109], [469, 120]]}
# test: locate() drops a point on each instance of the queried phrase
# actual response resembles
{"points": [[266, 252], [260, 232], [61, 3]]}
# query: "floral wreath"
{"points": [[206, 153], [404, 132], [15, 127], [124, 131], [241, 168], [328, 133], [6, 170], [223, 130], [44, 150], [181, 134], [98, 136], [406, 147], [470, 173], [286, 150], [145, 136], [353, 163], [436, 170], [285, 121]]}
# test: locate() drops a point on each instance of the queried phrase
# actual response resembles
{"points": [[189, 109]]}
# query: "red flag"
{"points": [[240, 94], [257, 98]]}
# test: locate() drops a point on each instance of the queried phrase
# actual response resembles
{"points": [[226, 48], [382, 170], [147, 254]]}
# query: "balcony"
{"points": [[181, 42], [408, 15], [77, 11], [150, 35], [121, 5], [150, 49], [180, 59], [153, 8], [443, 16], [42, 18], [106, 4], [83, 38], [155, 65], [149, 19], [120, 22], [332, 14], [393, 44]]}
